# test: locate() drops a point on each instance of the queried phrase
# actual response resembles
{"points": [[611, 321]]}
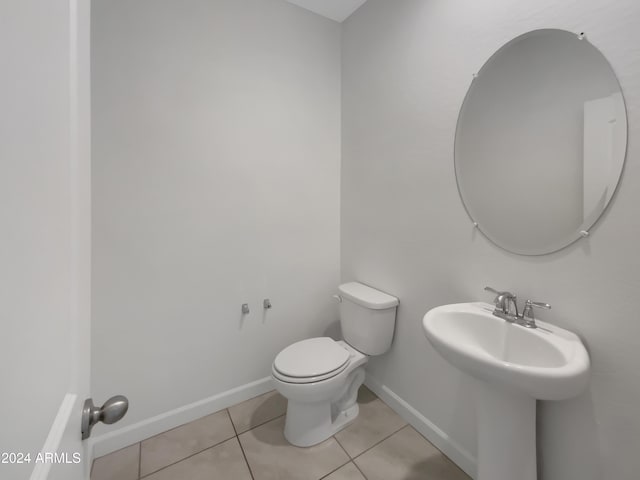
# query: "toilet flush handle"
{"points": [[337, 297]]}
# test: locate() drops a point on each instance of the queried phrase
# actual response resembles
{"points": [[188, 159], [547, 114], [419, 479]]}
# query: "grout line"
{"points": [[246, 461], [335, 470], [425, 439], [338, 468], [361, 472], [177, 427], [260, 424], [233, 425], [244, 455], [378, 443], [343, 449], [187, 457], [211, 446]]}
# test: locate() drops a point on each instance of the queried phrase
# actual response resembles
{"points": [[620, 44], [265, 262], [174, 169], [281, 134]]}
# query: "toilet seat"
{"points": [[311, 360], [307, 380]]}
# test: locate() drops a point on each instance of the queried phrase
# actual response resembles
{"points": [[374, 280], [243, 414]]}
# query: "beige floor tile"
{"points": [[375, 422], [348, 472], [172, 446], [271, 457], [224, 462], [120, 465], [258, 410], [407, 455], [365, 395]]}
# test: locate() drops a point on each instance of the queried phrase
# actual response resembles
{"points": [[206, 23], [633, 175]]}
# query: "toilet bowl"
{"points": [[320, 377], [320, 405]]}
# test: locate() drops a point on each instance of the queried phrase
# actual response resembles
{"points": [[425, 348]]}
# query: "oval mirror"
{"points": [[540, 142]]}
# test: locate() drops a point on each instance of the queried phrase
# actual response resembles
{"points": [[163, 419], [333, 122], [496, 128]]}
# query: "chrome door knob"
{"points": [[113, 410]]}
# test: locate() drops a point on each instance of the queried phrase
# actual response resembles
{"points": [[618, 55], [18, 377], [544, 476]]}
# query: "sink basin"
{"points": [[513, 366], [546, 363]]}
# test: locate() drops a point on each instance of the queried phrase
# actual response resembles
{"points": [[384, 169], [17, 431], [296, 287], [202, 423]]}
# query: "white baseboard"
{"points": [[55, 441], [427, 429], [117, 439]]}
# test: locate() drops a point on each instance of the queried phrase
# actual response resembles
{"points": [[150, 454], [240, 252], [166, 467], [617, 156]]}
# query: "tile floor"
{"points": [[245, 442]]}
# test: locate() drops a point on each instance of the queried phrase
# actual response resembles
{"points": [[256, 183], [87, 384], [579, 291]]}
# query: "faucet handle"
{"points": [[527, 313], [498, 293], [546, 306], [492, 290]]}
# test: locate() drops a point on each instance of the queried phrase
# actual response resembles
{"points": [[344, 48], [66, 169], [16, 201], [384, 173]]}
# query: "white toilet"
{"points": [[320, 377]]}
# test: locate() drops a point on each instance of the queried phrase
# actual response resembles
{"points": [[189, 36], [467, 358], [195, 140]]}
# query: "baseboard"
{"points": [[427, 429], [117, 439], [55, 440]]}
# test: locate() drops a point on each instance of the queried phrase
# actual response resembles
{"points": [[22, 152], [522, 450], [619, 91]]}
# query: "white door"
{"points": [[44, 237]]}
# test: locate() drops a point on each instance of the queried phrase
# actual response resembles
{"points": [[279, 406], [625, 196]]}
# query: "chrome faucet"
{"points": [[504, 302]]}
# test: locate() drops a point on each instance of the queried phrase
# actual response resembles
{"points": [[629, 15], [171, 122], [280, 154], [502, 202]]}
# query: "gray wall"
{"points": [[406, 68], [216, 163], [42, 281]]}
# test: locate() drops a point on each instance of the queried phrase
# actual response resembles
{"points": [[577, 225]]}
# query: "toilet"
{"points": [[320, 377]]}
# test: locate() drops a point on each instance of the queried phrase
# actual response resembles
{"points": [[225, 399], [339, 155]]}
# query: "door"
{"points": [[44, 237]]}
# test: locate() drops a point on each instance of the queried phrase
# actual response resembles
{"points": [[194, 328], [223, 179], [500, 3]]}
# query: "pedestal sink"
{"points": [[513, 366]]}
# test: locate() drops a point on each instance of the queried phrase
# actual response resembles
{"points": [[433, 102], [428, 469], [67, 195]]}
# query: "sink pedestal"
{"points": [[512, 367], [506, 434]]}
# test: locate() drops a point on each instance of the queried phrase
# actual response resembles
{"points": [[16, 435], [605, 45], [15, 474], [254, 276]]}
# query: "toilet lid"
{"points": [[310, 358]]}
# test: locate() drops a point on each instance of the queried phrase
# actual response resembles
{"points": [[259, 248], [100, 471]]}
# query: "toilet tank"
{"points": [[367, 317]]}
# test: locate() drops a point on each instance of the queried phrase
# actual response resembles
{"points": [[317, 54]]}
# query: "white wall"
{"points": [[406, 68], [43, 246], [216, 163]]}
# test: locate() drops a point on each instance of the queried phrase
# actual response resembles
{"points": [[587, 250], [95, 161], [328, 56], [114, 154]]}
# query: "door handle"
{"points": [[112, 411]]}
